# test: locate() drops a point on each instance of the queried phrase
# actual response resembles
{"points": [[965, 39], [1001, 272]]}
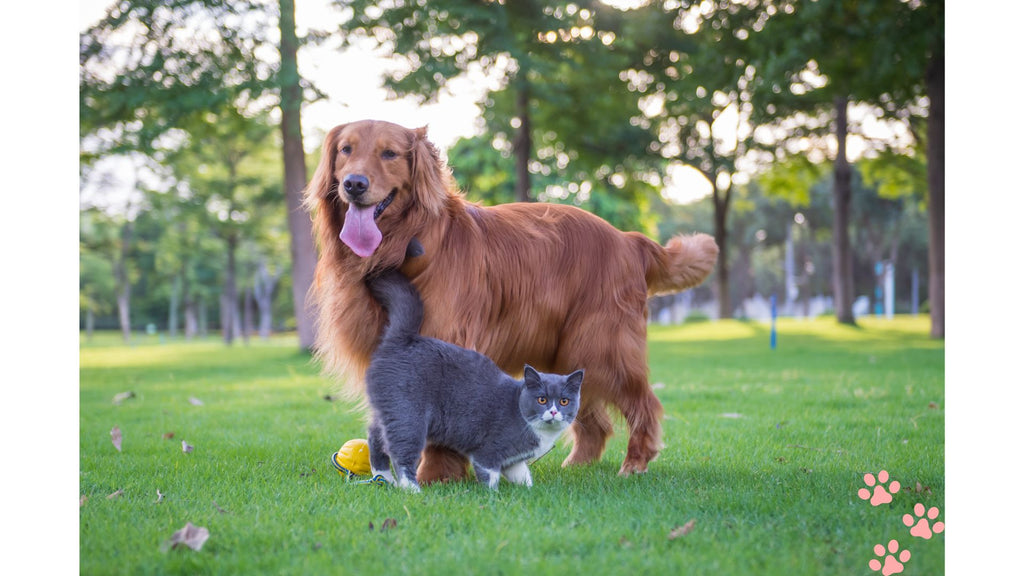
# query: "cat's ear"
{"points": [[414, 249], [574, 381], [531, 377]]}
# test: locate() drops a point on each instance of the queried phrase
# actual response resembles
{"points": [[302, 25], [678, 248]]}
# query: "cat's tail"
{"points": [[401, 301]]}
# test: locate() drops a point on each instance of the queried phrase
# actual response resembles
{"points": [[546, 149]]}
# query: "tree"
{"points": [[302, 250], [96, 290], [816, 56], [546, 115], [694, 65], [222, 166], [149, 66]]}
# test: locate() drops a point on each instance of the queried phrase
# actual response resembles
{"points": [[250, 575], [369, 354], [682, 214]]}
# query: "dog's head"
{"points": [[372, 176]]}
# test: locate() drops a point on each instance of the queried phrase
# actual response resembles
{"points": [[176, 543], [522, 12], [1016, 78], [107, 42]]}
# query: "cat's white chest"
{"points": [[547, 438]]}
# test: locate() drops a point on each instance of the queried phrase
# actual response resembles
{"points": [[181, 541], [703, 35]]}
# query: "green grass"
{"points": [[765, 451]]}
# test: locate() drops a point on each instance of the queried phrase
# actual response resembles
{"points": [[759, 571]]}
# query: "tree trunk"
{"points": [[124, 285], [90, 323], [935, 79], [229, 295], [263, 291], [521, 145], [842, 257], [247, 316], [721, 238], [203, 324], [172, 311], [299, 224], [191, 319]]}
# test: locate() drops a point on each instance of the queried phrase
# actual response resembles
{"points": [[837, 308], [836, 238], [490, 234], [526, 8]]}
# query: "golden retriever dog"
{"points": [[545, 284]]}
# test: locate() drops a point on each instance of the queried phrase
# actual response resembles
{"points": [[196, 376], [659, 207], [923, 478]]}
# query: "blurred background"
{"points": [[807, 137]]}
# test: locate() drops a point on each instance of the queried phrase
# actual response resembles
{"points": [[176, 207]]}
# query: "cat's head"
{"points": [[550, 400]]}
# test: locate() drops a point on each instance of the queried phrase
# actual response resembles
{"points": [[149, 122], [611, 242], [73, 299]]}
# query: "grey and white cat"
{"points": [[424, 390]]}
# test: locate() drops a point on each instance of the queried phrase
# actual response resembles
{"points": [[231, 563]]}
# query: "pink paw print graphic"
{"points": [[881, 495], [891, 562], [923, 528]]}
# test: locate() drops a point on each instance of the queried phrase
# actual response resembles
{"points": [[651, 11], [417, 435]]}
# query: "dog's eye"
{"points": [[389, 154], [564, 401], [542, 400], [346, 149]]}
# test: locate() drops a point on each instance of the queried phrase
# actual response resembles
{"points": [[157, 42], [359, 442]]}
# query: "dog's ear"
{"points": [[323, 179], [430, 181]]}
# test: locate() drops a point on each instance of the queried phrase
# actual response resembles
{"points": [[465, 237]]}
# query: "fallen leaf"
{"points": [[168, 435], [388, 524], [159, 496], [115, 437], [81, 501], [731, 415], [683, 530], [933, 405], [371, 526], [217, 506], [186, 447], [195, 401], [192, 536], [122, 396], [116, 494]]}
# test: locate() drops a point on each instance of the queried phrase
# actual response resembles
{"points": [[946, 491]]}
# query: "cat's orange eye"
{"points": [[564, 401], [542, 400]]}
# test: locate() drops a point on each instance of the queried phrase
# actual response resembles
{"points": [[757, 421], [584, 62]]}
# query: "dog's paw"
{"points": [[630, 467]]}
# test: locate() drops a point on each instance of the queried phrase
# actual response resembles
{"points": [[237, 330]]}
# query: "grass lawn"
{"points": [[765, 453]]}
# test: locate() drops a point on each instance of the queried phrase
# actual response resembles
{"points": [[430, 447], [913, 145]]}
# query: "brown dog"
{"points": [[545, 284]]}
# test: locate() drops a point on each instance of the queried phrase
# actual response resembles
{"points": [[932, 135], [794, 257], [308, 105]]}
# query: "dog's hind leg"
{"points": [[643, 412], [440, 464]]}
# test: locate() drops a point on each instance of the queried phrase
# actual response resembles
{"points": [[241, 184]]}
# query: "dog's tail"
{"points": [[682, 263], [401, 301]]}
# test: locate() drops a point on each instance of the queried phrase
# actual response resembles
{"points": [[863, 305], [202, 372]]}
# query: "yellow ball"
{"points": [[353, 457]]}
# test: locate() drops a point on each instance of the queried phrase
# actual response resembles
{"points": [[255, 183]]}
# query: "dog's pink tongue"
{"points": [[360, 232]]}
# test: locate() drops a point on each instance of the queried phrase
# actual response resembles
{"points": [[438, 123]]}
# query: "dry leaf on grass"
{"points": [[192, 536], [186, 447], [195, 401], [389, 523], [115, 437], [115, 494], [168, 435], [683, 530], [81, 501], [122, 396]]}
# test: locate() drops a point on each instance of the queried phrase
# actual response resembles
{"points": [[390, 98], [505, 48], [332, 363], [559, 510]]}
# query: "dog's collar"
{"points": [[383, 204]]}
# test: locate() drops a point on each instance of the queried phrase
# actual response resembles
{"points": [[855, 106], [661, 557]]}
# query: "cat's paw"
{"points": [[406, 484], [518, 474]]}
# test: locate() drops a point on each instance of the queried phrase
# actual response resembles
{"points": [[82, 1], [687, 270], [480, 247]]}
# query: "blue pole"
{"points": [[774, 314]]}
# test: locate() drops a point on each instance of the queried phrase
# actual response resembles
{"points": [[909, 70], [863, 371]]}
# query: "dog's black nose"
{"points": [[355, 185]]}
